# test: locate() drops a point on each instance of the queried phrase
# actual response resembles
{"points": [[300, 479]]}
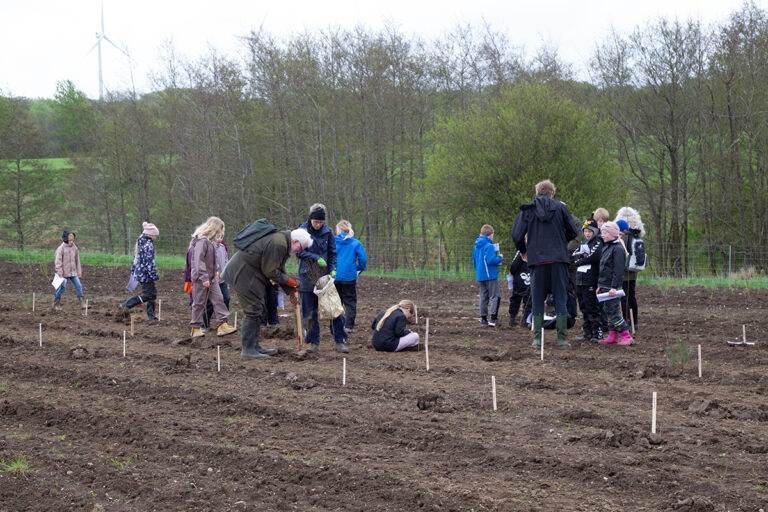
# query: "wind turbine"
{"points": [[99, 38]]}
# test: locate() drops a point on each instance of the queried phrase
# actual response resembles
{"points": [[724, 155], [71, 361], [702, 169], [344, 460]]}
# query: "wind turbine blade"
{"points": [[117, 47], [102, 16], [94, 46]]}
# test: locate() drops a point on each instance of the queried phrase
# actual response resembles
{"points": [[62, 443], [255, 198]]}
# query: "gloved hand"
{"points": [[333, 274], [293, 297], [321, 262], [292, 283]]}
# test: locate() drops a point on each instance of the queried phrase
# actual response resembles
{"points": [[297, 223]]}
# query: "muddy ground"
{"points": [[162, 429]]}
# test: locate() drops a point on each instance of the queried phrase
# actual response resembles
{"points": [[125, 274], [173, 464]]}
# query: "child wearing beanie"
{"points": [[145, 271], [610, 280]]}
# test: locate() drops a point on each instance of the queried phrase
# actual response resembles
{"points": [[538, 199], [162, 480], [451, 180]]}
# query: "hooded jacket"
{"points": [[351, 258], [611, 266], [521, 276], [67, 259], [595, 245], [485, 259], [394, 328], [144, 267], [249, 272], [323, 246], [549, 227]]}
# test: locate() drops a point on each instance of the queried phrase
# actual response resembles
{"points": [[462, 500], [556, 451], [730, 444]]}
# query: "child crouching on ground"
{"points": [[389, 328], [610, 280]]}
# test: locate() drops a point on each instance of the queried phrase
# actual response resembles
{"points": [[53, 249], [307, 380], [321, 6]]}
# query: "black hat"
{"points": [[65, 236]]}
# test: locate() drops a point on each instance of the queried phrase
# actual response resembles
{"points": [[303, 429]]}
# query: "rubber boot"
{"points": [[626, 338], [82, 302], [56, 306], [537, 321], [249, 335], [151, 311], [613, 337], [258, 347], [562, 332], [131, 302]]}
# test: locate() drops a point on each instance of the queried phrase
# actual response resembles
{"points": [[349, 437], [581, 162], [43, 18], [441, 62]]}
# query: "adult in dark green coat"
{"points": [[248, 273]]}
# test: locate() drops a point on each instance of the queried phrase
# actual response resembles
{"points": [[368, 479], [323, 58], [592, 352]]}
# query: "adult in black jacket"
{"points": [[587, 270], [390, 333], [548, 226]]}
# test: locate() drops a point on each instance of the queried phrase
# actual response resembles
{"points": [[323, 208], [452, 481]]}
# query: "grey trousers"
{"points": [[489, 292]]}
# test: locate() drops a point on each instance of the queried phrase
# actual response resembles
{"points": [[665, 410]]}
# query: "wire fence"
{"points": [[452, 257]]}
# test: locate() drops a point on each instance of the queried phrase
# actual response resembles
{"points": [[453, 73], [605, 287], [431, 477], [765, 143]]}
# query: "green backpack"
{"points": [[253, 232]]}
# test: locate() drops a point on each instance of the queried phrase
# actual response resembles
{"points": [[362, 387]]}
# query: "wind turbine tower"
{"points": [[102, 36]]}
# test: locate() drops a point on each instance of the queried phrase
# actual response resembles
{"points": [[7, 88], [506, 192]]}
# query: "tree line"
{"points": [[410, 140]]}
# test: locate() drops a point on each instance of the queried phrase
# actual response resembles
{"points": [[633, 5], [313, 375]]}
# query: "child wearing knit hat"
{"points": [[610, 280], [145, 271]]}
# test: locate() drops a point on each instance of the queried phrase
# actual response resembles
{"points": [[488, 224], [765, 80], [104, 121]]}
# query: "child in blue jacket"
{"points": [[351, 259], [486, 263]]}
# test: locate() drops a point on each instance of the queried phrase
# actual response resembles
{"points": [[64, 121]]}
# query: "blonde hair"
{"points": [[545, 187], [212, 229], [344, 226], [601, 214], [632, 217], [405, 304], [486, 230]]}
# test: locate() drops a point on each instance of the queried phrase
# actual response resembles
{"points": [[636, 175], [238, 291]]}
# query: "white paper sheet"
{"points": [[57, 280]]}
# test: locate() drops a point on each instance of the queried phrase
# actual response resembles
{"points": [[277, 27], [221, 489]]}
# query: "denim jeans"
{"points": [[76, 281], [311, 322]]}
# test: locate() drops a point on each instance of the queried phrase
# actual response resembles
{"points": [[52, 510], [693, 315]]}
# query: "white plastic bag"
{"points": [[328, 301]]}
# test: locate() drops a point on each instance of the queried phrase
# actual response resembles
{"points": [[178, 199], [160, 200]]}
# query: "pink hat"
{"points": [[150, 229]]}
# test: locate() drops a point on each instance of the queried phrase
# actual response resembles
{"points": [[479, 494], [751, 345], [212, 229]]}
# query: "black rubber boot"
{"points": [[537, 321], [249, 335], [131, 302], [562, 327], [151, 311]]}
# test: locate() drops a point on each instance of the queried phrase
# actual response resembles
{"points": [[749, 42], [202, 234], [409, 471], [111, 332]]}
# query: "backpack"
{"points": [[253, 232], [638, 260]]}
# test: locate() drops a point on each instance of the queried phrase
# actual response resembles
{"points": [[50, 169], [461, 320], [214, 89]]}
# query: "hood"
{"points": [[344, 239], [65, 236], [635, 232], [544, 207], [482, 241]]}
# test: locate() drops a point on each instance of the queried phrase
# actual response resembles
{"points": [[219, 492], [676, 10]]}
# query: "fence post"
{"points": [[729, 265], [439, 258]]}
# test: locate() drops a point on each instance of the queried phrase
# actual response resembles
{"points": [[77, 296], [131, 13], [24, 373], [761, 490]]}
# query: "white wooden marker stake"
{"points": [[235, 319], [41, 335], [416, 313], [159, 308], [653, 415], [493, 390], [131, 325], [344, 372], [426, 343], [632, 319], [218, 357], [744, 333], [699, 361], [542, 343], [86, 307], [123, 343], [33, 302]]}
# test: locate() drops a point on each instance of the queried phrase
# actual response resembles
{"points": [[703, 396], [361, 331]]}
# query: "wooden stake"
{"points": [[699, 361], [41, 335], [33, 302], [416, 313], [86, 307], [344, 372], [653, 414], [235, 318], [542, 343], [160, 309], [299, 325], [123, 343], [218, 357], [426, 343], [744, 333], [131, 325], [493, 391], [632, 319]]}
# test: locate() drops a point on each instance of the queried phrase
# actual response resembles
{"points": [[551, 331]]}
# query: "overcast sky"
{"points": [[46, 41]]}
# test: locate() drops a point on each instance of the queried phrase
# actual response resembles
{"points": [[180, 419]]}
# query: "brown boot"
{"points": [[56, 306], [82, 302]]}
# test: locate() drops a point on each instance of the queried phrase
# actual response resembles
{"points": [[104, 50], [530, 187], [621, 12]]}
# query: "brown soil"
{"points": [[161, 429]]}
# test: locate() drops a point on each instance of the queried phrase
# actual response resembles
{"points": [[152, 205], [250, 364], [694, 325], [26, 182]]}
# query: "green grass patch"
{"points": [[15, 467], [98, 259], [706, 281]]}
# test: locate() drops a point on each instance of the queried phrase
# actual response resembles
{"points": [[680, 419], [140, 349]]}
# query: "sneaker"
{"points": [[225, 329], [308, 347], [196, 333], [203, 329], [513, 322], [341, 347], [483, 321], [349, 330], [492, 323]]}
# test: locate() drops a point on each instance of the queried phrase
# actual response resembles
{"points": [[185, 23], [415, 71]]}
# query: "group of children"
{"points": [[602, 266]]}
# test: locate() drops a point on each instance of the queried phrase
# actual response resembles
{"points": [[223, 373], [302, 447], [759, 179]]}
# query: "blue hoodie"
{"points": [[350, 257], [485, 259]]}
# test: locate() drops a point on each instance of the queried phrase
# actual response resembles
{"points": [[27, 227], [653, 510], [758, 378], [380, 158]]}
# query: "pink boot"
{"points": [[613, 337], [626, 338]]}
